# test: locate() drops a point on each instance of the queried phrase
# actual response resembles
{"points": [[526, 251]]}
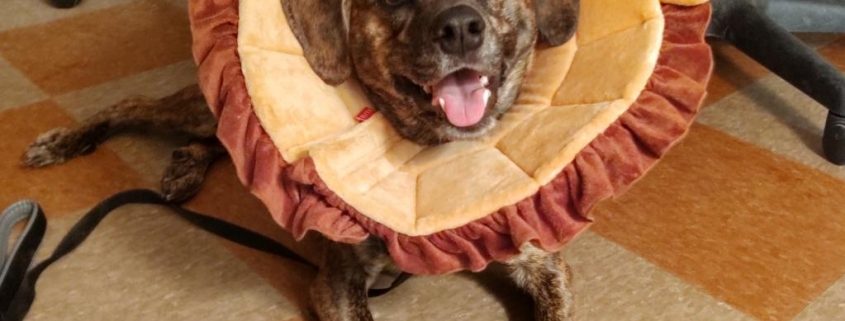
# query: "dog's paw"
{"points": [[48, 149], [184, 176]]}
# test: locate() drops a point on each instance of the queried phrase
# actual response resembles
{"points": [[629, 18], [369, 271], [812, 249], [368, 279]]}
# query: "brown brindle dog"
{"points": [[439, 70]]}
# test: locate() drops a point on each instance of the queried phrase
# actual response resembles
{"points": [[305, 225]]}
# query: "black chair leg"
{"points": [[742, 23], [64, 4], [834, 139]]}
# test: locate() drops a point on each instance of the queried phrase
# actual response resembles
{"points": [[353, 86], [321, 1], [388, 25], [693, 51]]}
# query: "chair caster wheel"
{"points": [[834, 139]]}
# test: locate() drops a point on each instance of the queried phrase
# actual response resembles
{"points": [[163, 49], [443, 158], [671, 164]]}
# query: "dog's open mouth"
{"points": [[463, 96]]}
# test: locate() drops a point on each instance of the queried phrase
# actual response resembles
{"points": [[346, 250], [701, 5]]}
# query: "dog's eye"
{"points": [[396, 3]]}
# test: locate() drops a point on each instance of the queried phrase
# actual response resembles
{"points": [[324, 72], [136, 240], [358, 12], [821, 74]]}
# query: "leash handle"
{"points": [[17, 285], [14, 264]]}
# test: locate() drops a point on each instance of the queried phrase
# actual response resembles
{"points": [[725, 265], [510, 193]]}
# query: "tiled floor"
{"points": [[742, 221]]}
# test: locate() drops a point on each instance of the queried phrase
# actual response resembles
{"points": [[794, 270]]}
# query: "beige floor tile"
{"points": [[753, 229], [145, 264], [774, 115], [22, 13], [290, 279], [829, 306], [15, 89], [614, 284], [733, 70], [146, 153], [155, 83], [489, 296], [100, 46]]}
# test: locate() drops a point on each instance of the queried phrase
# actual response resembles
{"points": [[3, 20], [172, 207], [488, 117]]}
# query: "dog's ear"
{"points": [[556, 20], [319, 27]]}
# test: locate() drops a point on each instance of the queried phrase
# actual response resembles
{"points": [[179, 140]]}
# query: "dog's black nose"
{"points": [[459, 30]]}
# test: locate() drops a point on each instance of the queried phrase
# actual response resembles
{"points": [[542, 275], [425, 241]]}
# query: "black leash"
{"points": [[17, 281]]}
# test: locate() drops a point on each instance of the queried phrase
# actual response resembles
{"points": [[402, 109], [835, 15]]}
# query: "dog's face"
{"points": [[439, 70]]}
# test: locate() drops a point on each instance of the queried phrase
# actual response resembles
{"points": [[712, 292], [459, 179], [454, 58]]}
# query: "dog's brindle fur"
{"points": [[387, 46], [392, 50]]}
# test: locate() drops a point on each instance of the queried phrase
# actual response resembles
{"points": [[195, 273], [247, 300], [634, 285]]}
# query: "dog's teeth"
{"points": [[487, 94], [441, 102], [427, 89], [485, 81]]}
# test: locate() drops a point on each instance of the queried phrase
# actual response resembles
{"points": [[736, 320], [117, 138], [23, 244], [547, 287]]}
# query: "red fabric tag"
{"points": [[365, 114]]}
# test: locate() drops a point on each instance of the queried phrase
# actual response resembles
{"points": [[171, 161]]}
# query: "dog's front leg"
{"points": [[339, 292], [184, 112], [546, 277]]}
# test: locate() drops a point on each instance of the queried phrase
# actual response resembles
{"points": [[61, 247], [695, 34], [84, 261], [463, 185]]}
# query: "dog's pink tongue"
{"points": [[463, 97]]}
